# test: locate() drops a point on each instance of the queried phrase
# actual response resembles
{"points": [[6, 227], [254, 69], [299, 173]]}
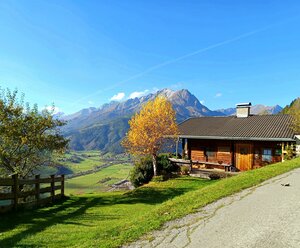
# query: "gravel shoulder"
{"points": [[267, 215]]}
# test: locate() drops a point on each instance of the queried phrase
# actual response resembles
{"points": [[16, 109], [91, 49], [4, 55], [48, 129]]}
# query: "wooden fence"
{"points": [[17, 192]]}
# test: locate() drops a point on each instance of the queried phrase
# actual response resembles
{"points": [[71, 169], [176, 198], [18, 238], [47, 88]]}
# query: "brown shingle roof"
{"points": [[256, 127]]}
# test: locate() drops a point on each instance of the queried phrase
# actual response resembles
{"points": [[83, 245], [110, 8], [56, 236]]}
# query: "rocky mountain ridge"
{"points": [[103, 128]]}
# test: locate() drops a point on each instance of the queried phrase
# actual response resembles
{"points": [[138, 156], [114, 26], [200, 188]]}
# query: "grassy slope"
{"points": [[45, 171], [92, 220], [90, 159], [112, 219], [87, 160], [90, 183]]}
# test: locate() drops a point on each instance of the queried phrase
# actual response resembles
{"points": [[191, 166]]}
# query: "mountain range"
{"points": [[103, 128]]}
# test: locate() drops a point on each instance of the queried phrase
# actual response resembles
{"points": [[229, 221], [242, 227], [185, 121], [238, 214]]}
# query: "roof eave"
{"points": [[236, 138]]}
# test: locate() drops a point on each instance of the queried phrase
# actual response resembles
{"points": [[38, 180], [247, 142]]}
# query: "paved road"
{"points": [[261, 217]]}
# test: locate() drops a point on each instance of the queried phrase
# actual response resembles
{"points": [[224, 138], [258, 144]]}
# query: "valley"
{"points": [[149, 124], [89, 171], [99, 181], [103, 128]]}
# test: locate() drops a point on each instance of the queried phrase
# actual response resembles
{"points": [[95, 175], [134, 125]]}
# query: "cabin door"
{"points": [[243, 157]]}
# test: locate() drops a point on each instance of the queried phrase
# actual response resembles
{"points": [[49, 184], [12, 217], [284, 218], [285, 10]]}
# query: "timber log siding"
{"points": [[244, 155], [241, 142], [210, 151]]}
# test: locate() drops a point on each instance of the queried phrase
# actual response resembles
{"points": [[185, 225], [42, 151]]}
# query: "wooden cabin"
{"points": [[236, 143]]}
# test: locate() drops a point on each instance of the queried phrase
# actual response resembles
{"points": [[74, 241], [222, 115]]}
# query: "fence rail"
{"points": [[18, 192]]}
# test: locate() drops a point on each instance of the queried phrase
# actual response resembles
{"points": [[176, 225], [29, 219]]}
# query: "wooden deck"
{"points": [[180, 161], [201, 164], [204, 165]]}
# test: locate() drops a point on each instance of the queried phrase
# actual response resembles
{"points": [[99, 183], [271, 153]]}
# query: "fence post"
{"points": [[62, 186], [37, 189], [52, 188], [15, 190]]}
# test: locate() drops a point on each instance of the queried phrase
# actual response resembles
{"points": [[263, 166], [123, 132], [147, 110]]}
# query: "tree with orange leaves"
{"points": [[149, 127]]}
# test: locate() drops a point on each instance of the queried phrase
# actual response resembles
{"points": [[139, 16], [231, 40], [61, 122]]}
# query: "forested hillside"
{"points": [[103, 128]]}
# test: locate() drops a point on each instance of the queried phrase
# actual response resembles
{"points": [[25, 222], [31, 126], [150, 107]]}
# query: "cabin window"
{"points": [[210, 153], [244, 151], [267, 155], [278, 152], [224, 149], [256, 154]]}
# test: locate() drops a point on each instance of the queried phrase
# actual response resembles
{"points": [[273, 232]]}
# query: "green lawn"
{"points": [[91, 220], [112, 219], [92, 183]]}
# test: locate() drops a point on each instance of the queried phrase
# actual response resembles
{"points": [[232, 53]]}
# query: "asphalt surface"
{"points": [[264, 216]]}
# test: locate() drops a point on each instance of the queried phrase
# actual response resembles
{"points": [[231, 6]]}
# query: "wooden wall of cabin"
{"points": [[261, 156], [214, 151]]}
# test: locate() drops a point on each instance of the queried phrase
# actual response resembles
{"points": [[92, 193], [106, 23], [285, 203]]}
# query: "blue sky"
{"points": [[79, 54]]}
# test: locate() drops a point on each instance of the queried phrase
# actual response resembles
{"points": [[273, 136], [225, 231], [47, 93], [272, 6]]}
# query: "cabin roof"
{"points": [[253, 127]]}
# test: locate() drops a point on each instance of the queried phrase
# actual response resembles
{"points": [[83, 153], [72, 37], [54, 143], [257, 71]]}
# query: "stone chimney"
{"points": [[243, 109]]}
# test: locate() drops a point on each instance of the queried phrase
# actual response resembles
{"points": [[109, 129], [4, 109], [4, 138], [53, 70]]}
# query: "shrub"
{"points": [[184, 170], [142, 171], [165, 166], [174, 155], [214, 176], [289, 153], [160, 178]]}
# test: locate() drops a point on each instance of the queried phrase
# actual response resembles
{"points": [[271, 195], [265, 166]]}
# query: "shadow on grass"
{"points": [[38, 220], [73, 211]]}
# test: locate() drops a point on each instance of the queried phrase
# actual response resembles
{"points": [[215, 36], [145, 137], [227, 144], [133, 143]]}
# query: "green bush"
{"points": [[165, 166], [214, 176], [160, 178], [174, 155], [185, 170], [289, 153], [142, 171]]}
